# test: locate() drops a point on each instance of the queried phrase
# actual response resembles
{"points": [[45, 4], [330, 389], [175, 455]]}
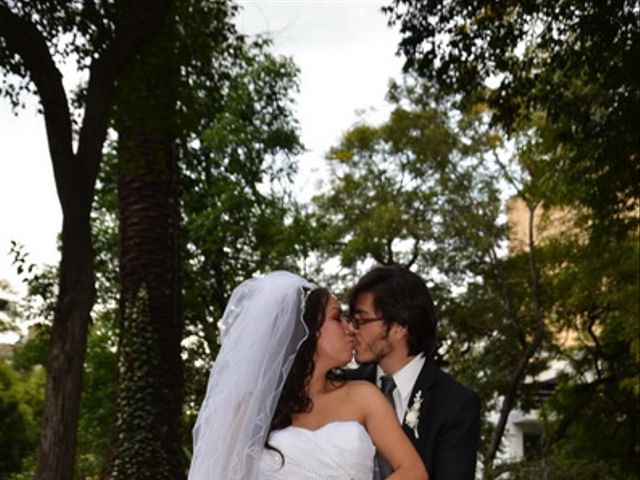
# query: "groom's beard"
{"points": [[372, 351]]}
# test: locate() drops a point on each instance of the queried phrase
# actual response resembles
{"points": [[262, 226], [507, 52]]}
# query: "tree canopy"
{"points": [[573, 62]]}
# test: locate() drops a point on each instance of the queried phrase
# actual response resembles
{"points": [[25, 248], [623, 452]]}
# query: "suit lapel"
{"points": [[425, 378], [423, 384]]}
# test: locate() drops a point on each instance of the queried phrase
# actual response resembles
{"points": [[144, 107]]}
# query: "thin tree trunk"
{"points": [[68, 344], [528, 353]]}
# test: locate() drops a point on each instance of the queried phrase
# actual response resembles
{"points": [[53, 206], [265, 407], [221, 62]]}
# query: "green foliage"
{"points": [[563, 83], [426, 188], [558, 469], [55, 19], [97, 404], [9, 311], [42, 285], [21, 397], [397, 189], [22, 380], [26, 370], [422, 190], [594, 412], [75, 31], [147, 435], [32, 352], [137, 444], [239, 217], [574, 62]]}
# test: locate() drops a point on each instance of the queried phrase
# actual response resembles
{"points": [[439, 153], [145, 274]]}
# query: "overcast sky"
{"points": [[346, 55]]}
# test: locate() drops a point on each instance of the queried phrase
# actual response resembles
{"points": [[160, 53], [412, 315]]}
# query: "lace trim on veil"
{"points": [[259, 344]]}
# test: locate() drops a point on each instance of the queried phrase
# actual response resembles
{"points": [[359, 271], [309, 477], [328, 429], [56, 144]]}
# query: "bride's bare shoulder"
{"points": [[365, 398], [362, 389]]}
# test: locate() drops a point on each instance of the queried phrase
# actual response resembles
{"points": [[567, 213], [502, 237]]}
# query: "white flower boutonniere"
{"points": [[412, 416]]}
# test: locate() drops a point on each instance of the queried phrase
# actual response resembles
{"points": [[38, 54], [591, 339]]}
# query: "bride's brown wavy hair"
{"points": [[294, 397]]}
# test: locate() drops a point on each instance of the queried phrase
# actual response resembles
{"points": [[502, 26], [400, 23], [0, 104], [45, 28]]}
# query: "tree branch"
{"points": [[390, 259], [415, 253], [583, 396], [379, 258], [529, 352], [494, 264], [143, 20], [24, 38], [498, 276]]}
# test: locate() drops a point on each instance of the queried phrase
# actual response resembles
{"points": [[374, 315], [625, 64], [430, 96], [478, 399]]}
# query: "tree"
{"points": [[593, 417], [21, 381], [589, 288], [426, 188], [225, 88], [108, 36], [25, 371], [572, 62], [391, 184], [236, 148], [147, 433], [236, 139], [562, 76], [98, 399], [239, 216]]}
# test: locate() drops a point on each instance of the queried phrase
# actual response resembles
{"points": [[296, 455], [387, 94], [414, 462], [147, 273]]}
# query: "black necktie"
{"points": [[387, 385], [383, 468]]}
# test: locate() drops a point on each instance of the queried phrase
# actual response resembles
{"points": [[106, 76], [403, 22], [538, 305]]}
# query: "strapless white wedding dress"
{"points": [[338, 450]]}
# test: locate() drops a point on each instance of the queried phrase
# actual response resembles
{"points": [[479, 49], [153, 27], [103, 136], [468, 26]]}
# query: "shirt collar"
{"points": [[406, 377]]}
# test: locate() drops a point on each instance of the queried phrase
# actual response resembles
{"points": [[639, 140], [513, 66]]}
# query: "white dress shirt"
{"points": [[405, 379]]}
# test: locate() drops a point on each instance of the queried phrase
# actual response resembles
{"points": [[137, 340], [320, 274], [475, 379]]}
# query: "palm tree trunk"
{"points": [[147, 442]]}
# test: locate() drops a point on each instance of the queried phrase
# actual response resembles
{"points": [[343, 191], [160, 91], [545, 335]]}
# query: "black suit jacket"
{"points": [[448, 425]]}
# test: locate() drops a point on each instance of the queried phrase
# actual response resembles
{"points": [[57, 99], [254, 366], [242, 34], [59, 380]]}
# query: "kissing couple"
{"points": [[279, 406]]}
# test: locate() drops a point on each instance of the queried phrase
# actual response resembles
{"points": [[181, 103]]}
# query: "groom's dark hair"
{"points": [[401, 296]]}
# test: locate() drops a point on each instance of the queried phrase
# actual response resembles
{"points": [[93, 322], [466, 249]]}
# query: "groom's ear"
{"points": [[398, 332]]}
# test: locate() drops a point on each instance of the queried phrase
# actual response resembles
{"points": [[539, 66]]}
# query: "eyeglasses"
{"points": [[357, 321]]}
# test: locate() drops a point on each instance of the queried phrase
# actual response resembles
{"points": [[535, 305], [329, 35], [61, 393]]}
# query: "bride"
{"points": [[272, 409]]}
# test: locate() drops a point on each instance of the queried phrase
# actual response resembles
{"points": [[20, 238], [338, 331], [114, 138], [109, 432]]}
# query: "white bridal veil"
{"points": [[261, 330]]}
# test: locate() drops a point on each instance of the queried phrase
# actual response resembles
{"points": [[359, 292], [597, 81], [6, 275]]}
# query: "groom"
{"points": [[393, 322]]}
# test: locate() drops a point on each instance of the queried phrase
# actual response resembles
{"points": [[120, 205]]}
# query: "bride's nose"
{"points": [[347, 328], [345, 323]]}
